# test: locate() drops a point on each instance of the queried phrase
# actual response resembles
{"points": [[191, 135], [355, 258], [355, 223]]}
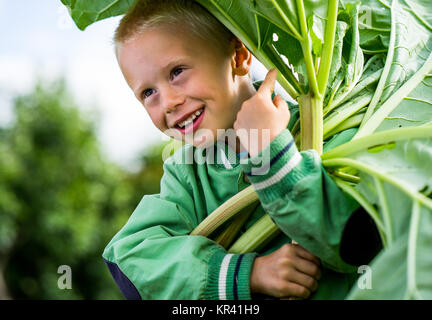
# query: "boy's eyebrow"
{"points": [[173, 63], [165, 68]]}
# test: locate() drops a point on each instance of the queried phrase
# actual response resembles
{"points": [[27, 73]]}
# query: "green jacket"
{"points": [[154, 257]]}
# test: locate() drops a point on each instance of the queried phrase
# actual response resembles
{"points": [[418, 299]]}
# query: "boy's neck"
{"points": [[237, 147], [247, 90]]}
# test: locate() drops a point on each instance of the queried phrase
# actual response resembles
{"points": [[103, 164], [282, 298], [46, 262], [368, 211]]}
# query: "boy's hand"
{"points": [[260, 112], [291, 271]]}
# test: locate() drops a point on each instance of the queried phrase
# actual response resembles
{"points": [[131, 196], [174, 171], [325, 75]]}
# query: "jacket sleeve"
{"points": [[301, 198], [153, 257]]}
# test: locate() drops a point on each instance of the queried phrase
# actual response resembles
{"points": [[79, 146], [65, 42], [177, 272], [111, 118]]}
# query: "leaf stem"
{"points": [[351, 122], [258, 32], [307, 53], [311, 123], [345, 112], [275, 59], [380, 88], [411, 252], [328, 46], [382, 137], [345, 176], [361, 85], [260, 233], [226, 211], [396, 182], [385, 210]]}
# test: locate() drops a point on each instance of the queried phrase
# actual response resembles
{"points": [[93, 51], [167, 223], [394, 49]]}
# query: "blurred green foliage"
{"points": [[61, 199]]}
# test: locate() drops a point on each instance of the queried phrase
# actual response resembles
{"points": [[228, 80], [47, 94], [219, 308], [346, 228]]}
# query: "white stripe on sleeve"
{"points": [[296, 158], [223, 275]]}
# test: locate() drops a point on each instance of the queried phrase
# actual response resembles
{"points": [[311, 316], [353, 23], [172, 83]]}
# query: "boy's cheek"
{"points": [[159, 122], [202, 138], [174, 134]]}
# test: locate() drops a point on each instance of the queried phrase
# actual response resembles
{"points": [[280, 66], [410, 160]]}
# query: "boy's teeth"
{"points": [[190, 119]]}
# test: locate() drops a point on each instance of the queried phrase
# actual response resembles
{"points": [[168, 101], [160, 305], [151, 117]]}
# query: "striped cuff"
{"points": [[277, 168], [229, 276]]}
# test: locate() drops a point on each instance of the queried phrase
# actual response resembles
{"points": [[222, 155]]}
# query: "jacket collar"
{"points": [[221, 155]]}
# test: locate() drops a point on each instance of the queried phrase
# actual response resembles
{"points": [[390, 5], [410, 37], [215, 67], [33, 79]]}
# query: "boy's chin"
{"points": [[198, 139], [201, 142]]}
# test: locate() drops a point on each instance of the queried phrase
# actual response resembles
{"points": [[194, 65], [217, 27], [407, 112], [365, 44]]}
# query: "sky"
{"points": [[38, 38]]}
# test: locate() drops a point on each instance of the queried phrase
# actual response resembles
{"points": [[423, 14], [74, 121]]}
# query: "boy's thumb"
{"points": [[278, 101], [267, 87]]}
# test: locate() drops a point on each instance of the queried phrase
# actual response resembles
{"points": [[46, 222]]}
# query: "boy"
{"points": [[191, 75]]}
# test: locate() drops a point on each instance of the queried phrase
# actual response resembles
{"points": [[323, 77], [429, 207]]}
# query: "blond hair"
{"points": [[147, 14]]}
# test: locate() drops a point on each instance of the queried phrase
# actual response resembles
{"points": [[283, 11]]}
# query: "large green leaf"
{"points": [[415, 109], [374, 25], [350, 64], [399, 154], [84, 13], [409, 50], [395, 187], [348, 112], [267, 40], [348, 59], [403, 270]]}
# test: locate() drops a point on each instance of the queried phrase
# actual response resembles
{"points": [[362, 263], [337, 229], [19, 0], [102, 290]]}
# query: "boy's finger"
{"points": [[267, 87], [298, 291], [279, 102], [309, 268], [305, 280], [303, 253]]}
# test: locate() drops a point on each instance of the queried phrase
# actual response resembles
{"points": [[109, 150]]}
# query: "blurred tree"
{"points": [[61, 200]]}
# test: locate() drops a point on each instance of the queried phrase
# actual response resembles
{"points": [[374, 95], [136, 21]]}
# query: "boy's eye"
{"points": [[176, 71], [147, 93]]}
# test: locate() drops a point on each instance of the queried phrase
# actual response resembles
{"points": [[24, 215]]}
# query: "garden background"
{"points": [[77, 152]]}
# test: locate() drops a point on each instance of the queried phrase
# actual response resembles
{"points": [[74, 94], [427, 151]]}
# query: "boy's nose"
{"points": [[171, 100]]}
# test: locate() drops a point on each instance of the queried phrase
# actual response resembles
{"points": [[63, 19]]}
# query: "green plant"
{"points": [[362, 70]]}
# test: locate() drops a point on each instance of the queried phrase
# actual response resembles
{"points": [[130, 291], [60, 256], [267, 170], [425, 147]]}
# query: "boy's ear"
{"points": [[242, 58]]}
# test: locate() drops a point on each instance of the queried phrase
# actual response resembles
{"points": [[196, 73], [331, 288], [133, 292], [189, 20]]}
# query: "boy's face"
{"points": [[176, 75]]}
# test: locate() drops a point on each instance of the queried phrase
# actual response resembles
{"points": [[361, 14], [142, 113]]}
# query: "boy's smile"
{"points": [[186, 84]]}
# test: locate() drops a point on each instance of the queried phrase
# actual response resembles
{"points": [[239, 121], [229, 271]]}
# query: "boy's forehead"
{"points": [[159, 46], [145, 55]]}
